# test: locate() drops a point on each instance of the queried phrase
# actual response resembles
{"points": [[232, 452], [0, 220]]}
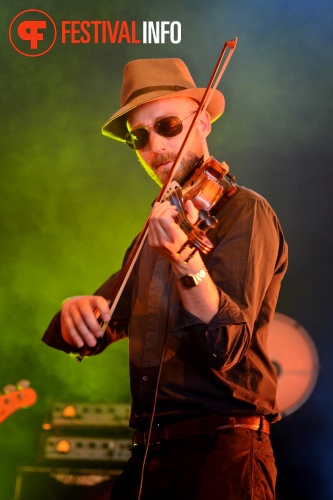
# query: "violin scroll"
{"points": [[197, 238]]}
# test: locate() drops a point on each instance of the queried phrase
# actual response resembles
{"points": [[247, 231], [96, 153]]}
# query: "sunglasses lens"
{"points": [[138, 138], [169, 126]]}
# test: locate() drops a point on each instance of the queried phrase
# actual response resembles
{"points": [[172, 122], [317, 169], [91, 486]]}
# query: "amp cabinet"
{"points": [[49, 483]]}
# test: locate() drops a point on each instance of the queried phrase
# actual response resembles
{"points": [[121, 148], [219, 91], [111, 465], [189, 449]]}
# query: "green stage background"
{"points": [[72, 200]]}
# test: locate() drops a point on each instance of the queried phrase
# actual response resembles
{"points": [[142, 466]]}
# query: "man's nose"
{"points": [[157, 141]]}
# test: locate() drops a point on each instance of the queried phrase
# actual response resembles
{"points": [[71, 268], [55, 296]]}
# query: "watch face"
{"points": [[187, 281]]}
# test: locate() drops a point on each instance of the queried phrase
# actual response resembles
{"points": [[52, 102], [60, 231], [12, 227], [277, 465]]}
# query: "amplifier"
{"points": [[49, 483], [89, 449], [87, 415]]}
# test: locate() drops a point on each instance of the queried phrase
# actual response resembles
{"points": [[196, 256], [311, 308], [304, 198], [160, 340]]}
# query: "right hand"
{"points": [[79, 325]]}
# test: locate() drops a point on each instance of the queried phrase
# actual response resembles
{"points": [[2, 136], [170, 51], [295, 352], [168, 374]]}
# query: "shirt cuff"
{"points": [[228, 314], [53, 337]]}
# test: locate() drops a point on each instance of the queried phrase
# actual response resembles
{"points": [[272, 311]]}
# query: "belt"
{"points": [[195, 427]]}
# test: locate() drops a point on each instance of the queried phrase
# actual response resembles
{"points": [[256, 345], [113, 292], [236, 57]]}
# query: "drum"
{"points": [[295, 359]]}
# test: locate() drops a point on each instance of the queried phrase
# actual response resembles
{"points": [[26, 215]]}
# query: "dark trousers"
{"points": [[235, 464]]}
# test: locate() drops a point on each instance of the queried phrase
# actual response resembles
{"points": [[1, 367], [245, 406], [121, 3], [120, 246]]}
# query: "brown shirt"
{"points": [[219, 368]]}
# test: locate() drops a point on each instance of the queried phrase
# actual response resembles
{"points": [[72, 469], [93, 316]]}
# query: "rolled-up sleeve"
{"points": [[247, 265]]}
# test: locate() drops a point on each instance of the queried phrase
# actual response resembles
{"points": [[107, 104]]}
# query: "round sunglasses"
{"points": [[170, 126]]}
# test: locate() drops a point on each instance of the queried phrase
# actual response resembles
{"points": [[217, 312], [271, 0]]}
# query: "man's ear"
{"points": [[204, 124]]}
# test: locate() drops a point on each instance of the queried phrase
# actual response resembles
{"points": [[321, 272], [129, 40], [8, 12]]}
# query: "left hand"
{"points": [[165, 235]]}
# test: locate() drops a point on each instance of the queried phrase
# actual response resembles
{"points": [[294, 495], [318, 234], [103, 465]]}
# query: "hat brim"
{"points": [[115, 127]]}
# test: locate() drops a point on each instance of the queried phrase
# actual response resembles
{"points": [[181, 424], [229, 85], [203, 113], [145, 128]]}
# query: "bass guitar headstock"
{"points": [[16, 397]]}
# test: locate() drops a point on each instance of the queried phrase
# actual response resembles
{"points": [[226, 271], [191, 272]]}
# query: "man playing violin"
{"points": [[203, 387]]}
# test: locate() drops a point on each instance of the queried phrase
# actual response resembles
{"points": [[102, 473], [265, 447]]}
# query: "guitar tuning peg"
{"points": [[23, 384], [9, 388]]}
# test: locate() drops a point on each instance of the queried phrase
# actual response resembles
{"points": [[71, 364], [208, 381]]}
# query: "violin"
{"points": [[204, 189]]}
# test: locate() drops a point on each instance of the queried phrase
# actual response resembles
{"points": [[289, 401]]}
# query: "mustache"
{"points": [[162, 158]]}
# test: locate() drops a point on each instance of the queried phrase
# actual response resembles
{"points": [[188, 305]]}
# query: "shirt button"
{"points": [[145, 378]]}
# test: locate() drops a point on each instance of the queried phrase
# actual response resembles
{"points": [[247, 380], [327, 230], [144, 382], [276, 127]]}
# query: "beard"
{"points": [[185, 168]]}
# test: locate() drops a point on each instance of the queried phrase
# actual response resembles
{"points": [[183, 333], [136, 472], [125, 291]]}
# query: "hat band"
{"points": [[145, 90]]}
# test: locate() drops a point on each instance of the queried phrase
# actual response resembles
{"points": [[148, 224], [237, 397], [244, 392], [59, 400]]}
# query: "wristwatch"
{"points": [[191, 280]]}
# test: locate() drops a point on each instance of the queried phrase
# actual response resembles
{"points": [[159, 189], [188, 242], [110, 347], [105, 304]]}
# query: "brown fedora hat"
{"points": [[145, 80]]}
